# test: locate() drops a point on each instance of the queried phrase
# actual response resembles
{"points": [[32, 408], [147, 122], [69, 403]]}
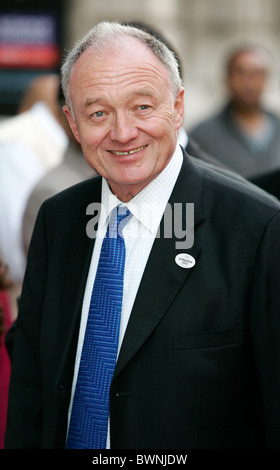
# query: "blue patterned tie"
{"points": [[90, 411]]}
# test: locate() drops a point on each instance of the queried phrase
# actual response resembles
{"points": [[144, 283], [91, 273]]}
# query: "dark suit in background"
{"points": [[220, 136], [243, 134], [269, 182]]}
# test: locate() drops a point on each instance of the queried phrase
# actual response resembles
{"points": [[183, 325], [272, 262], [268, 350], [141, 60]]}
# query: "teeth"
{"points": [[130, 152]]}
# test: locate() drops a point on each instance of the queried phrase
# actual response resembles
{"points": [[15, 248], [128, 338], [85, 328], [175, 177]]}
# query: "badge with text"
{"points": [[184, 260]]}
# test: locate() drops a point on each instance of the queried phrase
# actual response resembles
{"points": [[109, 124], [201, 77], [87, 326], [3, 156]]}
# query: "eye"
{"points": [[143, 107], [98, 114]]}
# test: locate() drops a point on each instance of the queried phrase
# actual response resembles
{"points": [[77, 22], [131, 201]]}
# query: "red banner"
{"points": [[29, 56]]}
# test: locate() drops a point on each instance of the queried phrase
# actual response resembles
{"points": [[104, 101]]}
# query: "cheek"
{"points": [[160, 122], [167, 119], [90, 142], [94, 160], [92, 137], [165, 113], [162, 128]]}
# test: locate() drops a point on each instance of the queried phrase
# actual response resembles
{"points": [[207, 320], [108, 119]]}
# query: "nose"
{"points": [[123, 128]]}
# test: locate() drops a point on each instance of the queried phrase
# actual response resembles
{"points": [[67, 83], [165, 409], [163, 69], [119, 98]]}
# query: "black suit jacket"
{"points": [[199, 363], [270, 182]]}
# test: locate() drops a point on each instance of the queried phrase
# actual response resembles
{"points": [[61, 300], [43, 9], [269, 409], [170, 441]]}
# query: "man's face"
{"points": [[247, 79], [124, 115]]}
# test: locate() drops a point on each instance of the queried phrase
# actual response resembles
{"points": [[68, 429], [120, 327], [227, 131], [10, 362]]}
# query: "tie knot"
{"points": [[119, 217], [122, 213]]}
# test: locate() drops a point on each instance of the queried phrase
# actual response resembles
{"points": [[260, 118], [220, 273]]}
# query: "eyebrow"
{"points": [[89, 101], [141, 92]]}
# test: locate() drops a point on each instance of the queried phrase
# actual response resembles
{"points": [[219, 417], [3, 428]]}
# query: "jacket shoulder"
{"points": [[231, 190], [70, 205]]}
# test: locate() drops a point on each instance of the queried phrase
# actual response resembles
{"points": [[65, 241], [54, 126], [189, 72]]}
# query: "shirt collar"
{"points": [[183, 137], [149, 204]]}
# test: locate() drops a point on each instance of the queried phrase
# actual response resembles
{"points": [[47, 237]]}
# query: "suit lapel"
{"points": [[162, 277], [75, 263], [160, 284]]}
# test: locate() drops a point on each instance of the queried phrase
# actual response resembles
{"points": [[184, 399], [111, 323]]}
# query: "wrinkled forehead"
{"points": [[117, 64]]}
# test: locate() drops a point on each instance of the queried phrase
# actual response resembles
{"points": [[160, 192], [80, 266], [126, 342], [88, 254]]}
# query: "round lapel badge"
{"points": [[184, 260]]}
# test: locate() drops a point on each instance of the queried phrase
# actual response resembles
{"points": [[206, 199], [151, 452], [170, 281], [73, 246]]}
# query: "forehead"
{"points": [[118, 68], [248, 59]]}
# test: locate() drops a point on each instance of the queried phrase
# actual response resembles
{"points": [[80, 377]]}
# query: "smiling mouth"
{"points": [[130, 152]]}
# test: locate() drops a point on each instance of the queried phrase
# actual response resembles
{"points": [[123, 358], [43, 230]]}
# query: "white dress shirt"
{"points": [[147, 209]]}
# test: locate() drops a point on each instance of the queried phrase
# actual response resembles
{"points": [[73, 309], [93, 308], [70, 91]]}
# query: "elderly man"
{"points": [[162, 331]]}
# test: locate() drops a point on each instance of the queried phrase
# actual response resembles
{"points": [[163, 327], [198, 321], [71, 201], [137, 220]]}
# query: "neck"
{"points": [[249, 118], [126, 193]]}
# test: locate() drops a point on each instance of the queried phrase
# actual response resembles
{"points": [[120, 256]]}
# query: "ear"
{"points": [[72, 122], [179, 109]]}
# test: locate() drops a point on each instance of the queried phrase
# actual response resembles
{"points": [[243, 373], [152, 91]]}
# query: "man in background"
{"points": [[243, 135]]}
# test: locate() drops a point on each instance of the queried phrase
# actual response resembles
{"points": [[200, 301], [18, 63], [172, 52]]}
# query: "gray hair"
{"points": [[106, 33]]}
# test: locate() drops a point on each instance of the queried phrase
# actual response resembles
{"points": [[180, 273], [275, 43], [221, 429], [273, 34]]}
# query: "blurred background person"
{"points": [[31, 143], [243, 135], [72, 170]]}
